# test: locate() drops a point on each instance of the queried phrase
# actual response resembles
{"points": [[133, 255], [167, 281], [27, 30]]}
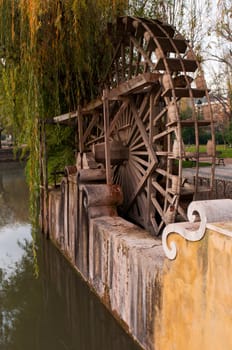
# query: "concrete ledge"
{"points": [[164, 304], [125, 265], [224, 228]]}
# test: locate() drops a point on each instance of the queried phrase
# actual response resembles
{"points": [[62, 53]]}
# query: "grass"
{"points": [[225, 151]]}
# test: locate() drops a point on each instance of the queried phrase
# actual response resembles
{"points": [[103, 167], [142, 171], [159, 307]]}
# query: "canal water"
{"points": [[44, 304]]}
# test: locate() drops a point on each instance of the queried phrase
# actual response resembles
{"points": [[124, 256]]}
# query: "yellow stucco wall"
{"points": [[196, 308]]}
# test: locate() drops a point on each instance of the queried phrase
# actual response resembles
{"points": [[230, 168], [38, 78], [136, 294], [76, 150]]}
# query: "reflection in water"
{"points": [[11, 251], [13, 194], [54, 310]]}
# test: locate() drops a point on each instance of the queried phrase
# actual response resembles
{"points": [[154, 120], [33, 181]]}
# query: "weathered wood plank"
{"points": [[132, 85], [166, 43], [174, 64], [64, 117], [92, 105], [185, 92]]}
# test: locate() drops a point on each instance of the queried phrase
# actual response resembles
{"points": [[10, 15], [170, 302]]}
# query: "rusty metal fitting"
{"points": [[102, 195], [70, 170], [91, 175]]}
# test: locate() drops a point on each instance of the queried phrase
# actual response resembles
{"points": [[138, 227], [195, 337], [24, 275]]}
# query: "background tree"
{"points": [[220, 55]]}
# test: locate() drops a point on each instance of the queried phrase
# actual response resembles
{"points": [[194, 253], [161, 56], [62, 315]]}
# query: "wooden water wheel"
{"points": [[135, 130]]}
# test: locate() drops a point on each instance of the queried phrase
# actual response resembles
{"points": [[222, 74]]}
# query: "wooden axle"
{"points": [[118, 152]]}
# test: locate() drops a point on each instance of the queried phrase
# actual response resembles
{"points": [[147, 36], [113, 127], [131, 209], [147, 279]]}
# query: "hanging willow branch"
{"points": [[53, 54]]}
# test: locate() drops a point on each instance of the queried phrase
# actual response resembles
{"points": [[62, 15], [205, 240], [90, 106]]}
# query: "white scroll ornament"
{"points": [[202, 212]]}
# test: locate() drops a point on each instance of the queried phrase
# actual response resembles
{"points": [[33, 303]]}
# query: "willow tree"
{"points": [[53, 54], [170, 11]]}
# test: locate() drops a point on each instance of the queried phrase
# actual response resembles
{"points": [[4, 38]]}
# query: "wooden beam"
{"points": [[92, 105], [80, 131], [64, 117], [90, 127], [134, 84], [106, 132]]}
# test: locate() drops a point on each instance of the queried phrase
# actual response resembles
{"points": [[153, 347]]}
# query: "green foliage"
{"points": [[225, 151], [219, 137], [190, 164], [62, 149], [188, 133], [53, 56]]}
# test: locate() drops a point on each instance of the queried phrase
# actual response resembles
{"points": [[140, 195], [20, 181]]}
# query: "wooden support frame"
{"points": [[106, 132], [134, 115]]}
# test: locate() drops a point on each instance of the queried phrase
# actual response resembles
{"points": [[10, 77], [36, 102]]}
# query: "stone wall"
{"points": [[183, 303], [197, 300]]}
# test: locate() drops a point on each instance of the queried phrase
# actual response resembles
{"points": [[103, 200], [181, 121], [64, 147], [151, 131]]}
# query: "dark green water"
{"points": [[44, 304]]}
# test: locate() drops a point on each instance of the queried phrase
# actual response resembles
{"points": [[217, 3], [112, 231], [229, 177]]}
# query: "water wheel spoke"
{"points": [[162, 172], [140, 161], [117, 116], [162, 191], [134, 136], [90, 127], [144, 108], [137, 146], [143, 131], [155, 227], [157, 206], [141, 183], [139, 153], [164, 133], [136, 170], [146, 119], [95, 140], [159, 116], [128, 116], [135, 131]]}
